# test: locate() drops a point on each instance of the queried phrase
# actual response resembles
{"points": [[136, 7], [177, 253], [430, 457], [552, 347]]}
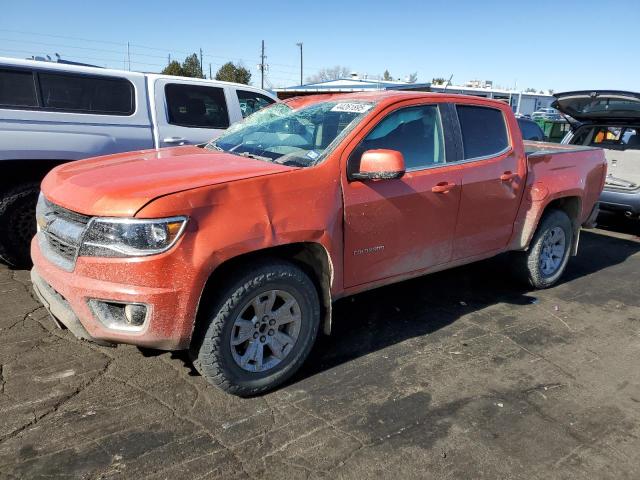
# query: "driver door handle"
{"points": [[175, 140], [508, 175], [443, 187]]}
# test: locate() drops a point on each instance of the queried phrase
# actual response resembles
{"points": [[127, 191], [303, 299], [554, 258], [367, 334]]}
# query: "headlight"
{"points": [[126, 237]]}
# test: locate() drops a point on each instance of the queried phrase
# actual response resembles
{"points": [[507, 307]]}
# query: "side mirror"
{"points": [[380, 165]]}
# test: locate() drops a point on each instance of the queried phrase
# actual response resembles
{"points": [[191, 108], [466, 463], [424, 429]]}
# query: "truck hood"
{"points": [[120, 185], [602, 106]]}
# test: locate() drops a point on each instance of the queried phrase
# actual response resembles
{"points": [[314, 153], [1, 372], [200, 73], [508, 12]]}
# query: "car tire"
{"points": [[545, 261], [247, 325], [18, 223]]}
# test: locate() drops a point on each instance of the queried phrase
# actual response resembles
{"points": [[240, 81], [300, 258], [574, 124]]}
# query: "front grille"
{"points": [[63, 249], [61, 232], [63, 213]]}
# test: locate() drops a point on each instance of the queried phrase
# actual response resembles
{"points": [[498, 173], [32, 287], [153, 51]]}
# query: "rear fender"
{"points": [[536, 202]]}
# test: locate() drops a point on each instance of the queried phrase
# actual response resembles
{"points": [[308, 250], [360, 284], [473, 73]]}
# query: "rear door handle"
{"points": [[506, 176], [443, 187], [175, 140]]}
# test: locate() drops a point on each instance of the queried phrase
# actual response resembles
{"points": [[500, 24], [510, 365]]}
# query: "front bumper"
{"points": [[170, 320], [621, 201]]}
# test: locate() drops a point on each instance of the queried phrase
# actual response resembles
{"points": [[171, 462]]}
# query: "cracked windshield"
{"points": [[282, 135]]}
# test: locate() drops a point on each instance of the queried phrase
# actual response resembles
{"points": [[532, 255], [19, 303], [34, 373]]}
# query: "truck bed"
{"points": [[556, 170], [532, 148]]}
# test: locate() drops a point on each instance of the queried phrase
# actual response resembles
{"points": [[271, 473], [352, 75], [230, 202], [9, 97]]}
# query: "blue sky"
{"points": [[542, 44]]}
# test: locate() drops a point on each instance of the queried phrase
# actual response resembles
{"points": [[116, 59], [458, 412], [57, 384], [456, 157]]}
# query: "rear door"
{"points": [[191, 112], [397, 226], [493, 174]]}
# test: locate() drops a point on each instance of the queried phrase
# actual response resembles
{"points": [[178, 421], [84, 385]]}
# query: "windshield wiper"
{"points": [[254, 156], [214, 146], [294, 163]]}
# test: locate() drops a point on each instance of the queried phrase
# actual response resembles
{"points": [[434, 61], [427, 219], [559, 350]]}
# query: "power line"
{"points": [[129, 54], [83, 57], [59, 36], [132, 45]]}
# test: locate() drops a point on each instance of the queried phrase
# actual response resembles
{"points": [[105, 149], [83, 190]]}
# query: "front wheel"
{"points": [[260, 331], [18, 223], [545, 261]]}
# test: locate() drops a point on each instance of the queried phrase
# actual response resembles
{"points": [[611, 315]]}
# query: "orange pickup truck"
{"points": [[237, 249]]}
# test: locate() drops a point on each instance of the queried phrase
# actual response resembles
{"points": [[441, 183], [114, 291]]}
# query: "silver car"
{"points": [[611, 120], [52, 112]]}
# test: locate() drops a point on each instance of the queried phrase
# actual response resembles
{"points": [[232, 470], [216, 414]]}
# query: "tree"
{"points": [[413, 77], [191, 66], [174, 68], [439, 81], [329, 73], [387, 76], [229, 72], [530, 90]]}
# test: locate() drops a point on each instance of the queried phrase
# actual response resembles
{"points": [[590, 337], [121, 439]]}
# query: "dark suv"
{"points": [[530, 130]]}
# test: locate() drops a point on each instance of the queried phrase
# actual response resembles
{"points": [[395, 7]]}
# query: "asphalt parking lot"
{"points": [[462, 374]]}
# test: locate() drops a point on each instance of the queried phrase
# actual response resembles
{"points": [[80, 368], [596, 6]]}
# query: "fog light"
{"points": [[119, 316], [135, 314]]}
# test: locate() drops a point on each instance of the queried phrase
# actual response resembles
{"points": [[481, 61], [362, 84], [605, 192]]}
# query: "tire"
{"points": [[535, 265], [220, 362], [18, 224]]}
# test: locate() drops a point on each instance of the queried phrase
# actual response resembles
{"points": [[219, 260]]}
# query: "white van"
{"points": [[51, 113]]}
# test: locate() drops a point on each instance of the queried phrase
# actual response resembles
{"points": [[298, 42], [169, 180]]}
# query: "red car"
{"points": [[237, 250]]}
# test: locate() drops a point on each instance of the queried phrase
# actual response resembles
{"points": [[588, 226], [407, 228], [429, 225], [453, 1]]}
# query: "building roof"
{"points": [[385, 97], [353, 85], [481, 90]]}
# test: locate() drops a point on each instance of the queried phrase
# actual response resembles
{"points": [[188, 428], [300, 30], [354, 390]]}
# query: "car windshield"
{"points": [[293, 137]]}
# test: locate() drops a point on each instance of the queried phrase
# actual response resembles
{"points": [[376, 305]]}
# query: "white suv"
{"points": [[51, 113]]}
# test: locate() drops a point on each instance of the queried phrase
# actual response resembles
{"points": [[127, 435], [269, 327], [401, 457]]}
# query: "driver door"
{"points": [[394, 227]]}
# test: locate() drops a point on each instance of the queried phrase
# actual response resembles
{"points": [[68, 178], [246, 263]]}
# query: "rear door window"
{"points": [[17, 89], [196, 106], [251, 102], [484, 131], [85, 94]]}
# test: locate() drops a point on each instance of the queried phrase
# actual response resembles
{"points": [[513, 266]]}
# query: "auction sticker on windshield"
{"points": [[351, 107]]}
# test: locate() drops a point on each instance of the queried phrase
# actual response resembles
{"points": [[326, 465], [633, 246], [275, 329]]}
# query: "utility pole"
{"points": [[169, 60], [201, 71], [262, 66], [210, 76], [300, 45], [129, 55]]}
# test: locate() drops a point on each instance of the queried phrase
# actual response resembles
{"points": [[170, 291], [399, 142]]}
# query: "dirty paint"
{"points": [[239, 206]]}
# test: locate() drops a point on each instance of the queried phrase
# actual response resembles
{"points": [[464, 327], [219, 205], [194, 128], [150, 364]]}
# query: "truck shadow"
{"points": [[377, 319], [619, 223]]}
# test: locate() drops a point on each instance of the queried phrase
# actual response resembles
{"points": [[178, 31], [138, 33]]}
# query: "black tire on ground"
{"points": [[211, 349], [528, 263], [18, 223]]}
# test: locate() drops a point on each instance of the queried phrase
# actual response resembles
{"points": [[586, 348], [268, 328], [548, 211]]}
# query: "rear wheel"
{"points": [[18, 223], [545, 261], [261, 330]]}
